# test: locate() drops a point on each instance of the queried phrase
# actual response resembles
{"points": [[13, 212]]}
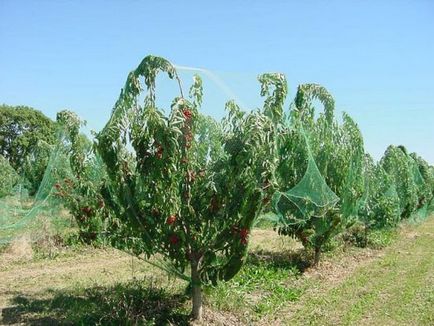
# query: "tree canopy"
{"points": [[21, 129]]}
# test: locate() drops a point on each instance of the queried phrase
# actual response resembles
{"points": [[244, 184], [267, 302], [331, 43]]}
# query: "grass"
{"points": [[259, 289], [83, 285], [381, 238], [397, 289]]}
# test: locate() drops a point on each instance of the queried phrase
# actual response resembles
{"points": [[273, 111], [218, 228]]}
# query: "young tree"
{"points": [[380, 204], [319, 173], [183, 185], [397, 164], [423, 178]]}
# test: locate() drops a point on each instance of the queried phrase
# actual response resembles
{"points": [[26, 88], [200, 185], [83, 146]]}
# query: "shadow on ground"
{"points": [[126, 304]]}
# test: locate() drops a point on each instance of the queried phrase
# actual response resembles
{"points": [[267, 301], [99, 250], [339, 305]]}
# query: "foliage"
{"points": [[81, 190], [183, 185], [21, 130], [360, 235], [8, 177], [177, 184]]}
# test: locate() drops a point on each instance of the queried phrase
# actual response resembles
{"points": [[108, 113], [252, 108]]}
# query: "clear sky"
{"points": [[375, 57]]}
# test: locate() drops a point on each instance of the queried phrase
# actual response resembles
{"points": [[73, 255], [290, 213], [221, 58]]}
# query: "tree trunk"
{"points": [[196, 312], [317, 256]]}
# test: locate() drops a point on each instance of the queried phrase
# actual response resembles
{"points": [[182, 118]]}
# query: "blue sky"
{"points": [[375, 57]]}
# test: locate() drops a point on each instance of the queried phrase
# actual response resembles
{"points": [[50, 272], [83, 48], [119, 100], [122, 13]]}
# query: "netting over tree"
{"points": [[22, 214], [311, 195], [54, 203], [320, 171]]}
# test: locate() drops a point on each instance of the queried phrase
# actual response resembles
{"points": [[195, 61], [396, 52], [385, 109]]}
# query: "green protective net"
{"points": [[380, 201], [390, 199], [351, 203], [421, 213], [311, 195], [417, 176], [424, 192], [34, 216]]}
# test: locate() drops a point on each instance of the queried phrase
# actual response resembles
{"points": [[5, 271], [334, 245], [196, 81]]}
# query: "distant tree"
{"points": [[22, 130], [35, 165]]}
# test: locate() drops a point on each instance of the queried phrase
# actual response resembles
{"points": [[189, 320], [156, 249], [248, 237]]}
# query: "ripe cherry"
{"points": [[187, 114], [171, 219], [159, 153], [244, 235]]}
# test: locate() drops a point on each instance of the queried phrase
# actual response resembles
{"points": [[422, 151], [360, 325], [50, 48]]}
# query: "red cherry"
{"points": [[244, 232], [171, 219], [244, 235], [187, 114], [173, 239], [159, 153]]}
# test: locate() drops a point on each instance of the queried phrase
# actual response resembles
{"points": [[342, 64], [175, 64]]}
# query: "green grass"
{"points": [[381, 238], [397, 289], [259, 289]]}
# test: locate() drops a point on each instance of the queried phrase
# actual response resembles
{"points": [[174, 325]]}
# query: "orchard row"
{"points": [[190, 188]]}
